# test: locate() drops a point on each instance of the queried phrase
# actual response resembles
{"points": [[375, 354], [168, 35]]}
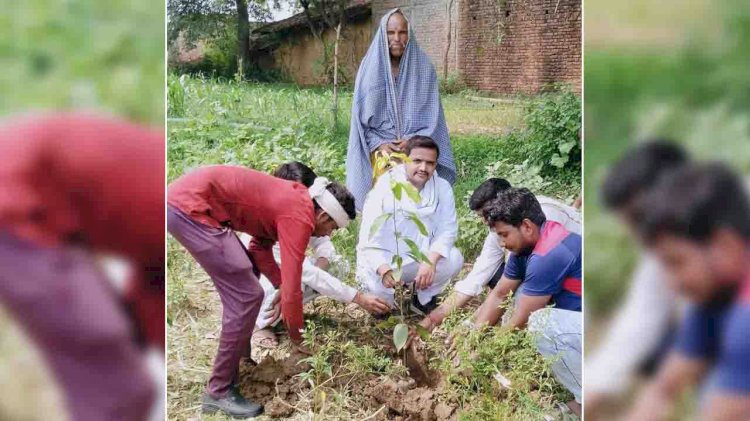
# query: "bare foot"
{"points": [[265, 338], [575, 407]]}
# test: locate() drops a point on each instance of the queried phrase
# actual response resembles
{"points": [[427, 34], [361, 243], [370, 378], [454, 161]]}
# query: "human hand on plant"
{"points": [[425, 276], [389, 280], [371, 303], [421, 330]]}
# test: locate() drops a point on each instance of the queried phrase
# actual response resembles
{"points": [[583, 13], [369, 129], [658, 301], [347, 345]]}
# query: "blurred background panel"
{"points": [[675, 69], [106, 57]]}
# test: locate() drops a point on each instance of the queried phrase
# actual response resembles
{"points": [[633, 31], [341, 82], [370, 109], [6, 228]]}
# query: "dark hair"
{"points": [[421, 142], [512, 206], [344, 197], [694, 202], [487, 191], [639, 169], [296, 171]]}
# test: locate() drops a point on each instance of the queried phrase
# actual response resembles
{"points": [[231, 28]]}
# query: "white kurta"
{"points": [[315, 281], [493, 254], [436, 210]]}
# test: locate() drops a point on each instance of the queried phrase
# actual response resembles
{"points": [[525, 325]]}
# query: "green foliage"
{"points": [[471, 234], [106, 56], [175, 96], [177, 296], [552, 138], [400, 335], [339, 349], [366, 358], [453, 84], [483, 358]]}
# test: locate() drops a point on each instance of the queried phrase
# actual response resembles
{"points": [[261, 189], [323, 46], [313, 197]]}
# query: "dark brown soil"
{"points": [[273, 381]]}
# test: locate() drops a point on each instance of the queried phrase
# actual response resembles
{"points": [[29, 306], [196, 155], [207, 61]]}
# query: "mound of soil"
{"points": [[272, 383], [419, 403], [277, 408]]}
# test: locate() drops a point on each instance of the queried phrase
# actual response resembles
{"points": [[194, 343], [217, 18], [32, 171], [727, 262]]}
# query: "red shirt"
{"points": [[268, 208], [93, 178]]}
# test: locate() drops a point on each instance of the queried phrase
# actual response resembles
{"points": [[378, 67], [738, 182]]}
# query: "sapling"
{"points": [[400, 189]]}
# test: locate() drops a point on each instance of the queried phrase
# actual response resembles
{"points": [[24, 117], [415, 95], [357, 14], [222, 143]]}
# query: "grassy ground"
{"points": [[355, 372]]}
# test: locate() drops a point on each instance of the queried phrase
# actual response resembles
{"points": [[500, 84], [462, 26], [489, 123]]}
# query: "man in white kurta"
{"points": [[488, 267], [436, 210]]}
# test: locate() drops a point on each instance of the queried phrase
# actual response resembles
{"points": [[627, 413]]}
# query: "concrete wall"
{"points": [[300, 56]]}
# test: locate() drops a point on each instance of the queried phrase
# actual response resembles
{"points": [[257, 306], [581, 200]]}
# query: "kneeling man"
{"points": [[436, 210], [545, 262]]}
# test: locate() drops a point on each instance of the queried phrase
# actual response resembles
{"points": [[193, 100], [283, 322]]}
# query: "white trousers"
{"points": [[447, 268]]}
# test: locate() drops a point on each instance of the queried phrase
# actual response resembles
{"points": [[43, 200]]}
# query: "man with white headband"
{"points": [[204, 209], [379, 245], [321, 271]]}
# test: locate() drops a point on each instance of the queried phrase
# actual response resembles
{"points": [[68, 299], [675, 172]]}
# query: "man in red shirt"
{"points": [[73, 187], [205, 207]]}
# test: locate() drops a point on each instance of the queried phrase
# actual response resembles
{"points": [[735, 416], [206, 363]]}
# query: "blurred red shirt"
{"points": [[92, 180]]}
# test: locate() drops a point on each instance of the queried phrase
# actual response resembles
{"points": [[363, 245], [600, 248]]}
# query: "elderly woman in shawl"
{"points": [[395, 98]]}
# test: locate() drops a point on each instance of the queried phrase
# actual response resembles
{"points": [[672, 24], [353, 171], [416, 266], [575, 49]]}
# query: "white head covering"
{"points": [[328, 202]]}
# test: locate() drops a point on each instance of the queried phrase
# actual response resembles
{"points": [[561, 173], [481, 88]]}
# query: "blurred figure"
{"points": [[74, 188], [696, 221], [639, 333]]}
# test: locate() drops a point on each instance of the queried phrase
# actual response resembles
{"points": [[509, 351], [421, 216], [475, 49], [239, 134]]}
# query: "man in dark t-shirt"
{"points": [[545, 268]]}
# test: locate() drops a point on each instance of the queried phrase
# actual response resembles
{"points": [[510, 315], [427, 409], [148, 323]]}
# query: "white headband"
{"points": [[328, 202]]}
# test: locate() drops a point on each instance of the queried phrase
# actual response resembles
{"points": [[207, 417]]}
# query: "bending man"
{"points": [[204, 209]]}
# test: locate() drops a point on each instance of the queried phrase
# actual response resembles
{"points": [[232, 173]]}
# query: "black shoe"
{"points": [[419, 308], [233, 404]]}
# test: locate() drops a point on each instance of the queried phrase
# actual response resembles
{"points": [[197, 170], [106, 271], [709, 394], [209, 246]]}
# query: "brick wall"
{"points": [[505, 46], [520, 45]]}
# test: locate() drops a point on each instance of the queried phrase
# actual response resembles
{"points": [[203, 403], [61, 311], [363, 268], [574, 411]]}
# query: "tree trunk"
{"points": [[336, 77], [243, 37], [448, 43]]}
